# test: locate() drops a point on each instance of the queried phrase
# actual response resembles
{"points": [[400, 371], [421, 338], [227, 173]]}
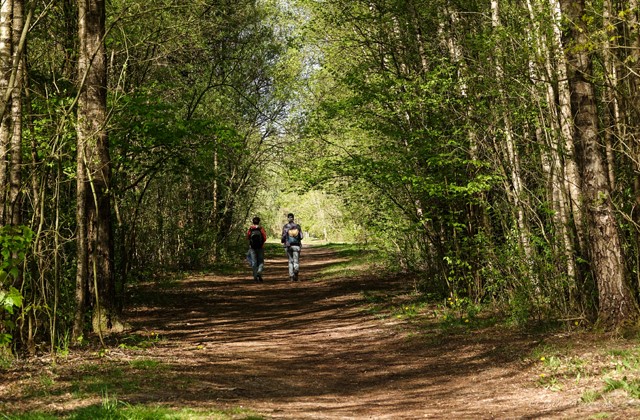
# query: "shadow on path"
{"points": [[309, 350]]}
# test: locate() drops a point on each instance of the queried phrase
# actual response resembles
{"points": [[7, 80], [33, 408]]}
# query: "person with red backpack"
{"points": [[292, 241], [256, 236]]}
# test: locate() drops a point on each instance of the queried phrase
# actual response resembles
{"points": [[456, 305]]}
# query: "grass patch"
{"points": [[451, 314], [146, 364], [112, 381], [558, 366], [112, 409], [590, 396], [118, 378], [346, 250], [43, 385], [617, 370], [352, 260], [140, 341]]}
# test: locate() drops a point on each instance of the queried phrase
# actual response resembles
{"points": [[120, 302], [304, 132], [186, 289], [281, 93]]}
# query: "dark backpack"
{"points": [[255, 238]]}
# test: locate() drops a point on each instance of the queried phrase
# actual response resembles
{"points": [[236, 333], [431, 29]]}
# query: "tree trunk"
{"points": [[571, 174], [6, 39], [477, 215], [510, 151], [616, 303], [95, 242], [15, 170], [632, 107], [612, 112], [552, 163]]}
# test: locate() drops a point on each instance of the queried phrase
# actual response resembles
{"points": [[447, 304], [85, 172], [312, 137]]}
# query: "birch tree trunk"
{"points": [[6, 10], [553, 165], [15, 170], [634, 83], [571, 174], [612, 112], [510, 149], [616, 303]]}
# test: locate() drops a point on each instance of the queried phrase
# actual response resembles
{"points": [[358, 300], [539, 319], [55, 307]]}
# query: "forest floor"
{"points": [[331, 346]]}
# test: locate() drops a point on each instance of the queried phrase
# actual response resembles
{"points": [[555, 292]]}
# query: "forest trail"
{"points": [[305, 350], [309, 350]]}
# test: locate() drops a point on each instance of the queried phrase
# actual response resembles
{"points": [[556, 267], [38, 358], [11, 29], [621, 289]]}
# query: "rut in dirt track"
{"points": [[309, 350]]}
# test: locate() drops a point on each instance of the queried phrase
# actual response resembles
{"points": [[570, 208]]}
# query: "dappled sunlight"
{"points": [[294, 350], [308, 349]]}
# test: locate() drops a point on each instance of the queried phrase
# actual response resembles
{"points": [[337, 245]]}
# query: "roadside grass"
{"points": [[105, 381], [112, 409], [352, 260], [429, 311], [604, 368]]}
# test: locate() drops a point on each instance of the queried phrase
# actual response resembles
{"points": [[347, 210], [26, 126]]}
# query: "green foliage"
{"points": [[192, 143], [374, 122], [459, 309], [415, 127], [323, 216], [14, 244]]}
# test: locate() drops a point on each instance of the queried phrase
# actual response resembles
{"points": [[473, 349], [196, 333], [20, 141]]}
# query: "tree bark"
{"points": [[95, 237], [632, 107], [616, 304], [15, 170], [6, 39], [542, 74], [510, 151]]}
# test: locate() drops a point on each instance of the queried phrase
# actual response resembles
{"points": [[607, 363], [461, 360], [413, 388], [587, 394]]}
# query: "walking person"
{"points": [[256, 236], [292, 241]]}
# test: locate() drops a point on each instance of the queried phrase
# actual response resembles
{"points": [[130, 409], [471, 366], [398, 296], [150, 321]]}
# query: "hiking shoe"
{"points": [[260, 279], [295, 277]]}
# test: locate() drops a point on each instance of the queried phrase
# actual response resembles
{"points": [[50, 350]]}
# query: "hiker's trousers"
{"points": [[293, 252], [257, 261]]}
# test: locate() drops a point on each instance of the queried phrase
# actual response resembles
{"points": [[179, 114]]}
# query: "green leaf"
{"points": [[10, 299], [5, 339]]}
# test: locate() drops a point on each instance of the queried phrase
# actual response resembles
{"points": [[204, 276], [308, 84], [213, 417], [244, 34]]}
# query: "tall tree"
{"points": [[12, 41], [95, 275], [18, 65], [616, 303], [6, 50]]}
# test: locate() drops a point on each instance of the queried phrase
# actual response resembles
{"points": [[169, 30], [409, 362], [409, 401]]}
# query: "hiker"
{"points": [[256, 237], [292, 241]]}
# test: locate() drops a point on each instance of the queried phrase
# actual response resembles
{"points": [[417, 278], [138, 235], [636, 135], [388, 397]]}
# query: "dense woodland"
{"points": [[489, 148]]}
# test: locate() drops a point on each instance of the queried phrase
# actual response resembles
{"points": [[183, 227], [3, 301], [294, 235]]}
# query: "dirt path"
{"points": [[309, 350]]}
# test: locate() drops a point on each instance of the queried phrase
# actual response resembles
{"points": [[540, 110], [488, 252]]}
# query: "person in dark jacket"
{"points": [[292, 241], [256, 236]]}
